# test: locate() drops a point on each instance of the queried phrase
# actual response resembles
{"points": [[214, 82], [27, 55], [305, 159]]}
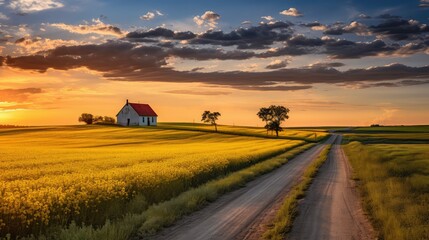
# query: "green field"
{"points": [[52, 176], [392, 165]]}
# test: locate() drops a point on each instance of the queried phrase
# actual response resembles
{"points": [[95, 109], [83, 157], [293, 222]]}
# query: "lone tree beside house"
{"points": [[273, 117], [88, 118], [210, 117]]}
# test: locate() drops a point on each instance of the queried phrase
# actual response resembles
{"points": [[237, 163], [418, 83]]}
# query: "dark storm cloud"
{"points": [[124, 61], [403, 83], [266, 35], [277, 64], [161, 33], [256, 37], [400, 29], [312, 24], [305, 77], [117, 56], [209, 53], [327, 65], [343, 49], [301, 40], [337, 49]]}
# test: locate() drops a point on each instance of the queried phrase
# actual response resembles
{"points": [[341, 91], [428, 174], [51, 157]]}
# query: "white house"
{"points": [[136, 114]]}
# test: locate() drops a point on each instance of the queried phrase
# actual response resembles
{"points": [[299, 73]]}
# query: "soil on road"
{"points": [[231, 216], [331, 208]]}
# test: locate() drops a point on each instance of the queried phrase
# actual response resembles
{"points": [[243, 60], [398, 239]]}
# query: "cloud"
{"points": [[265, 35], [354, 27], [209, 18], [160, 32], [256, 37], [342, 49], [3, 17], [29, 45], [403, 83], [29, 6], [148, 16], [268, 18], [424, 3], [326, 65], [363, 16], [124, 61], [159, 13], [291, 12], [17, 95], [196, 69], [276, 64], [151, 15], [97, 27], [399, 29], [316, 26]]}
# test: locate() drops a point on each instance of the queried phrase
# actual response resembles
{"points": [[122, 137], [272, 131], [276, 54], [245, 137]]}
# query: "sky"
{"points": [[332, 63]]}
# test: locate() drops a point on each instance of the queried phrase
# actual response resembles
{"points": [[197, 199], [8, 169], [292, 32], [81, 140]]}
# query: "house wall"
{"points": [[123, 116], [146, 118]]}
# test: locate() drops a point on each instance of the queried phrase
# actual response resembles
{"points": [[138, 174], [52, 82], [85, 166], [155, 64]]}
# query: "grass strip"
{"points": [[283, 220], [166, 213], [394, 185]]}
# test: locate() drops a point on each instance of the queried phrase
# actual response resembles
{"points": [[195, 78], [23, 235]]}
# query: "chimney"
{"points": [[127, 101]]}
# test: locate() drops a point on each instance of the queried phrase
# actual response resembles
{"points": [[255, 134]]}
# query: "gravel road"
{"points": [[231, 216], [331, 208]]}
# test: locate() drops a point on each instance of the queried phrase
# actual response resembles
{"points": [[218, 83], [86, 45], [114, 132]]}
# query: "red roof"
{"points": [[143, 109]]}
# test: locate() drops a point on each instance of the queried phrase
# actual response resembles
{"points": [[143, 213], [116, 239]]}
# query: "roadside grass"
{"points": [[52, 176], [309, 135], [166, 213], [394, 182], [283, 220]]}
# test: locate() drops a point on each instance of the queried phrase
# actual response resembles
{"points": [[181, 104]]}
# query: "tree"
{"points": [[273, 117], [107, 119], [264, 114], [210, 117], [88, 118], [97, 119]]}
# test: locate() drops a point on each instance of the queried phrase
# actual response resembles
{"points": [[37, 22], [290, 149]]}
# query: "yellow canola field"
{"points": [[55, 175]]}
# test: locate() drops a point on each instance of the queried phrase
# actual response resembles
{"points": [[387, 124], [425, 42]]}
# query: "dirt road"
{"points": [[231, 215], [331, 209]]}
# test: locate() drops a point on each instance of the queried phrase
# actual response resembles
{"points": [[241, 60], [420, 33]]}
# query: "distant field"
{"points": [[53, 175], [289, 133], [393, 129], [393, 165]]}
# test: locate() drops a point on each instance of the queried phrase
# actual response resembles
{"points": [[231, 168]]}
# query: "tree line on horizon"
{"points": [[88, 118], [273, 116]]}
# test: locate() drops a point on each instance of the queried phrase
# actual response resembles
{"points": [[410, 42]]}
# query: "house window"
{"points": [[152, 119], [143, 119]]}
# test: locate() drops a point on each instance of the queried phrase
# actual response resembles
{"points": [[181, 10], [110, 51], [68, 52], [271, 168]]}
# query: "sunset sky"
{"points": [[330, 62]]}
